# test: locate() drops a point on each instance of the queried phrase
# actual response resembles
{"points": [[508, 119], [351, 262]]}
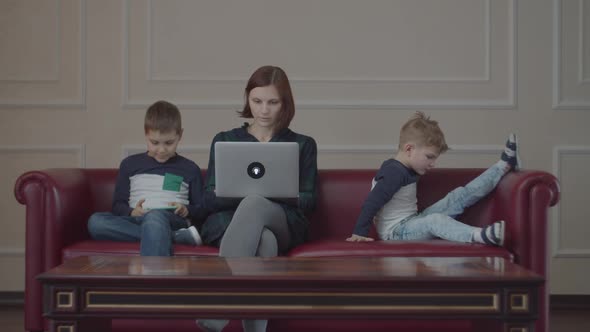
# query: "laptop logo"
{"points": [[256, 170]]}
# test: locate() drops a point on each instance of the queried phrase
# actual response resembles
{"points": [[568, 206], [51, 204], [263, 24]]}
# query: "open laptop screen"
{"points": [[269, 169]]}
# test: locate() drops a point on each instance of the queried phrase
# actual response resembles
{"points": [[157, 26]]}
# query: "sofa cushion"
{"points": [[439, 248], [102, 248], [318, 248]]}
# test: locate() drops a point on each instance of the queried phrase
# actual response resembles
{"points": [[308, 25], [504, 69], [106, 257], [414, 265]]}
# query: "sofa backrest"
{"points": [[341, 194], [340, 197], [101, 183]]}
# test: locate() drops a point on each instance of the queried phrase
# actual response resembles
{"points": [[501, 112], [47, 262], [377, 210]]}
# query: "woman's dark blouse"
{"points": [[223, 209]]}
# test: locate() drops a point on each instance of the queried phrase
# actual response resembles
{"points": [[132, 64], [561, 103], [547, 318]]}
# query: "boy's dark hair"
{"points": [[421, 130], [164, 117], [275, 76]]}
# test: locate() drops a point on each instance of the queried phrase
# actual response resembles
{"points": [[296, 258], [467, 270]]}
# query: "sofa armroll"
{"points": [[525, 198], [56, 201], [523, 201]]}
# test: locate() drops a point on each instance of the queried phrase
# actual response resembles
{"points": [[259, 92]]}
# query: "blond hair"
{"points": [[420, 129]]}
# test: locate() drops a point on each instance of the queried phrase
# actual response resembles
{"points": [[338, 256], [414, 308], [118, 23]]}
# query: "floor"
{"points": [[561, 320], [564, 320]]}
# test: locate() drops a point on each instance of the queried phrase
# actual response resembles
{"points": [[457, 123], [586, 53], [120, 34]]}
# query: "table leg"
{"points": [[82, 325]]}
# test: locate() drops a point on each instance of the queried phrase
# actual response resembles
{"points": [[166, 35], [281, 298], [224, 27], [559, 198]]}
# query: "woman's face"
{"points": [[265, 104]]}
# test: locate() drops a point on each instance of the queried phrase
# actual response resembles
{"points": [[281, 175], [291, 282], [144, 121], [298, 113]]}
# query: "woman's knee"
{"points": [[268, 245], [253, 202], [253, 208]]}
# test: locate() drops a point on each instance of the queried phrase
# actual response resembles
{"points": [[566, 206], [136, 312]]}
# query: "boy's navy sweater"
{"points": [[143, 164], [389, 179]]}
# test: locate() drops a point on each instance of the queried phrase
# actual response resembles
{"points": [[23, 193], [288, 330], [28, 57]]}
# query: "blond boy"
{"points": [[392, 202]]}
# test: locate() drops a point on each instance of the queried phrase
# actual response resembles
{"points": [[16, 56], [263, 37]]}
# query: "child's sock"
{"points": [[510, 158], [188, 236], [491, 235], [476, 236]]}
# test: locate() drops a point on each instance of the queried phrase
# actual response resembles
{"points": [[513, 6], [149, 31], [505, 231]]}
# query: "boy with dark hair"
{"points": [[392, 203], [157, 194]]}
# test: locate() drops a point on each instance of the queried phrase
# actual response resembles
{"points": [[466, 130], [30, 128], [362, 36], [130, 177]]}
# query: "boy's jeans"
{"points": [[154, 230], [437, 220]]}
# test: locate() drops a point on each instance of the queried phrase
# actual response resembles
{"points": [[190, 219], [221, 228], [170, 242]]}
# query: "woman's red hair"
{"points": [[275, 76]]}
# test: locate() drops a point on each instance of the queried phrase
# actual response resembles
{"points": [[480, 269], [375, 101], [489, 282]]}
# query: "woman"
{"points": [[254, 225]]}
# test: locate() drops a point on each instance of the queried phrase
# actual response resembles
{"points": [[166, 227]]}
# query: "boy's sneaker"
{"points": [[188, 236], [510, 153], [493, 234], [211, 325]]}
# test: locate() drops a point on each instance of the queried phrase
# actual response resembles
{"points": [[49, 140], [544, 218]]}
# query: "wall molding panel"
{"points": [[131, 149], [67, 88], [584, 54], [486, 19], [54, 76], [560, 250], [494, 82], [453, 150], [352, 151], [79, 149], [12, 252], [569, 92]]}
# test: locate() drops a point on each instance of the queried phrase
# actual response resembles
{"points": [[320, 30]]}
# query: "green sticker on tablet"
{"points": [[172, 182]]}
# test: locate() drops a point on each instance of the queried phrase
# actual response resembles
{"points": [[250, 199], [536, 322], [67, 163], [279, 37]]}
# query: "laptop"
{"points": [[269, 169]]}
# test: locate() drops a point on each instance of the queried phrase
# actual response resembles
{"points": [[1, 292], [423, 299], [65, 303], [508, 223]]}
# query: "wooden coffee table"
{"points": [[84, 293]]}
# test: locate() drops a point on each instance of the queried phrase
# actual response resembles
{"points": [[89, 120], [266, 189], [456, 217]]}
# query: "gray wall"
{"points": [[76, 77]]}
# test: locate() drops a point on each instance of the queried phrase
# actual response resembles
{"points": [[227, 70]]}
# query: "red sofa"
{"points": [[59, 202]]}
